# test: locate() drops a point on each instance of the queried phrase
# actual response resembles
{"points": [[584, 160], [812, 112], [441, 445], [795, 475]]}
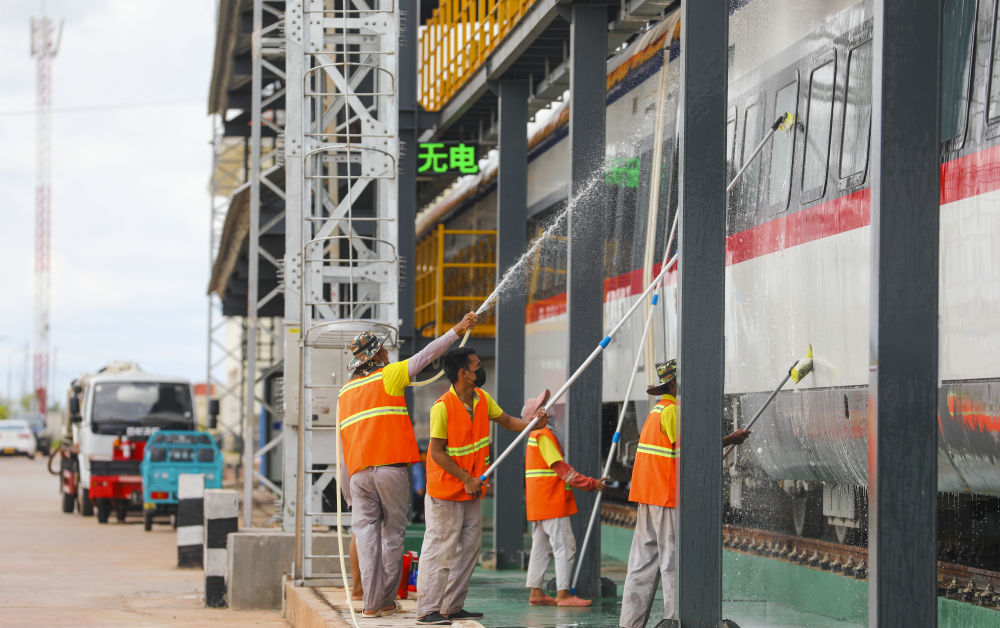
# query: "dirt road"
{"points": [[67, 570]]}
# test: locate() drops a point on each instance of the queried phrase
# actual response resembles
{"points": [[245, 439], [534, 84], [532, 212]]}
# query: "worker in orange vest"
{"points": [[548, 486], [457, 456], [378, 447], [654, 488]]}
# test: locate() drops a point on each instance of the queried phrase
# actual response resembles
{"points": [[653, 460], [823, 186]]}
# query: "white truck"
{"points": [[110, 415]]}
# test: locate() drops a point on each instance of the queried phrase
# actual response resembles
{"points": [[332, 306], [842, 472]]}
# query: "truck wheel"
{"points": [[86, 506], [103, 509], [121, 509], [147, 520], [69, 502]]}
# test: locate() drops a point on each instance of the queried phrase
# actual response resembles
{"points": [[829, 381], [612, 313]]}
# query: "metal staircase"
{"points": [[341, 155]]}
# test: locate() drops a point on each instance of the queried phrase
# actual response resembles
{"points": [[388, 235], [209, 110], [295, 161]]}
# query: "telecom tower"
{"points": [[44, 46]]}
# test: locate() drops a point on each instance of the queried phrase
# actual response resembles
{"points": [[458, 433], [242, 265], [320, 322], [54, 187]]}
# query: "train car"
{"points": [[797, 258]]}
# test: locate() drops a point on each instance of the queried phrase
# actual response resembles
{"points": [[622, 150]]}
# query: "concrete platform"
{"points": [[326, 607]]}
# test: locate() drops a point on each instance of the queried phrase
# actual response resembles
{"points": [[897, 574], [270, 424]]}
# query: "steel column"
{"points": [[512, 201], [293, 151], [409, 18], [585, 305], [702, 286], [903, 328], [254, 262]]}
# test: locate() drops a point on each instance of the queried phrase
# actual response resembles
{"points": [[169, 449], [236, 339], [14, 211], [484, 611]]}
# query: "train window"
{"points": [[748, 184], [820, 114], [994, 112], [857, 112], [782, 144], [958, 27], [730, 139]]}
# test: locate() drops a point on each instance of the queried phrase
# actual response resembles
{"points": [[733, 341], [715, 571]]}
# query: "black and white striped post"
{"points": [[190, 516], [221, 518]]}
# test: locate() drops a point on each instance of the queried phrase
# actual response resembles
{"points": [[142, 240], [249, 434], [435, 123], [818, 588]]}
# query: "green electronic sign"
{"points": [[622, 172], [447, 158]]}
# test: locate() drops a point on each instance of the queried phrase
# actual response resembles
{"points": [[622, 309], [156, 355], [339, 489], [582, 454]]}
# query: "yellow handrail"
{"points": [[455, 279], [456, 41]]}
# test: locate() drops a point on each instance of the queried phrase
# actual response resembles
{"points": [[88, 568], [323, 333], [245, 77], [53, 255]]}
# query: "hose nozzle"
{"points": [[803, 367]]}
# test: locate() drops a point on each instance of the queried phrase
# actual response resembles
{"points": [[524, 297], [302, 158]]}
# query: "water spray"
{"points": [[513, 270], [800, 369], [601, 346]]}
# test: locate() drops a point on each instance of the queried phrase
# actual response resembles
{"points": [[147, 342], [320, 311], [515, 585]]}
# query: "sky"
{"points": [[130, 169]]}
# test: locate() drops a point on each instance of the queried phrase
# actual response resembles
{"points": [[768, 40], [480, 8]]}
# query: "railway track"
{"points": [[955, 581]]}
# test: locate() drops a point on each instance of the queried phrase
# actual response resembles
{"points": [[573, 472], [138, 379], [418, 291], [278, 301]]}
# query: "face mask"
{"points": [[480, 377]]}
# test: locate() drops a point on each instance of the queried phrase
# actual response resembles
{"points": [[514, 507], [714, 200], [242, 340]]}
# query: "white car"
{"points": [[16, 438]]}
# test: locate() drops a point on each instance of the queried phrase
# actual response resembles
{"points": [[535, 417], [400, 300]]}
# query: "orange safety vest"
{"points": [[468, 445], [375, 426], [547, 496], [654, 474]]}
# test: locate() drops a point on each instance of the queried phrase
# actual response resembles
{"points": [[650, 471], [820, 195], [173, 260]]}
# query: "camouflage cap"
{"points": [[666, 372], [365, 346]]}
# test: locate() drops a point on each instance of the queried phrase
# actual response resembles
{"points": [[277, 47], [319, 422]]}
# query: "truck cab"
{"points": [[112, 414]]}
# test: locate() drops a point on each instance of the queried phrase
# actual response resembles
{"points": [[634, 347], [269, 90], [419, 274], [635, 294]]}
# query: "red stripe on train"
{"points": [[961, 178]]}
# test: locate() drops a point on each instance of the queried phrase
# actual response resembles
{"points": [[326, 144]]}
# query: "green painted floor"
{"points": [[758, 592], [502, 597]]}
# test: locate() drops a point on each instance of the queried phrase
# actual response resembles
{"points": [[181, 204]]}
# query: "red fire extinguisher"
{"points": [[409, 572]]}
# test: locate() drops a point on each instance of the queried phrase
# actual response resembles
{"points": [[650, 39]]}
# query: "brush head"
{"points": [[803, 367]]}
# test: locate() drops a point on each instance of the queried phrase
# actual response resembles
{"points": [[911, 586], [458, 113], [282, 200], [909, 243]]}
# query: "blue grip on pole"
{"points": [[606, 342], [617, 437], [482, 478], [656, 299]]}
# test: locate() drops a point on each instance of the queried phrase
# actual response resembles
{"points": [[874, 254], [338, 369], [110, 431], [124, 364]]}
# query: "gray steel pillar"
{"points": [[903, 372], [702, 286], [407, 211], [512, 202], [585, 304]]}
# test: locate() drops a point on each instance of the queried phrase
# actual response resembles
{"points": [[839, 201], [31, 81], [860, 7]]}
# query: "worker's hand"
{"points": [[602, 484], [736, 438], [473, 485], [468, 322], [543, 418]]}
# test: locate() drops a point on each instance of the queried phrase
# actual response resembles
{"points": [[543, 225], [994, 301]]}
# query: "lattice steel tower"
{"points": [[44, 46]]}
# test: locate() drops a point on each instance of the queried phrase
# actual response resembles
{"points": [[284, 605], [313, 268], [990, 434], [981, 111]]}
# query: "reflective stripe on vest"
{"points": [[375, 426], [546, 495], [654, 473], [468, 445]]}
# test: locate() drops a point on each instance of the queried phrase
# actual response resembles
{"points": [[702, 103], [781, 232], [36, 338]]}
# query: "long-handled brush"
{"points": [[800, 369]]}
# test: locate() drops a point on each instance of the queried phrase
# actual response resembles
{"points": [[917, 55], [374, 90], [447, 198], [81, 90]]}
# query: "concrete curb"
{"points": [[325, 607]]}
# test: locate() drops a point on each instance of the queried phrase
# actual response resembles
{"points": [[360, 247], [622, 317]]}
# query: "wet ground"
{"points": [[502, 597]]}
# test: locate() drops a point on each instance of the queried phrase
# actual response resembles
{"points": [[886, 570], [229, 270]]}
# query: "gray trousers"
{"points": [[551, 537], [450, 552], [651, 560], [381, 498]]}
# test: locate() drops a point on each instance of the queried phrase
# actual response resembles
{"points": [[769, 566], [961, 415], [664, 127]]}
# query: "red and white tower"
{"points": [[44, 46]]}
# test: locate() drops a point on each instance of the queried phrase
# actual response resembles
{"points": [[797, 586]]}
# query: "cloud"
{"points": [[130, 208]]}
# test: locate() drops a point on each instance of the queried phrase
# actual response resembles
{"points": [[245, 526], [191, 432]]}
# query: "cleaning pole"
{"points": [[784, 122], [614, 446], [800, 369], [601, 346]]}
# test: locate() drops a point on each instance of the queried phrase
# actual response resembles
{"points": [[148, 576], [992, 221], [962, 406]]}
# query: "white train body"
{"points": [[798, 269]]}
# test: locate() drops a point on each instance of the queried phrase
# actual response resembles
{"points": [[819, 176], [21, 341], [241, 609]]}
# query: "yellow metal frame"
{"points": [[443, 297], [456, 41]]}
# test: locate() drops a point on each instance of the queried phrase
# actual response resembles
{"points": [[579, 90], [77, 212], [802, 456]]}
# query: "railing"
{"points": [[456, 41], [453, 279]]}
